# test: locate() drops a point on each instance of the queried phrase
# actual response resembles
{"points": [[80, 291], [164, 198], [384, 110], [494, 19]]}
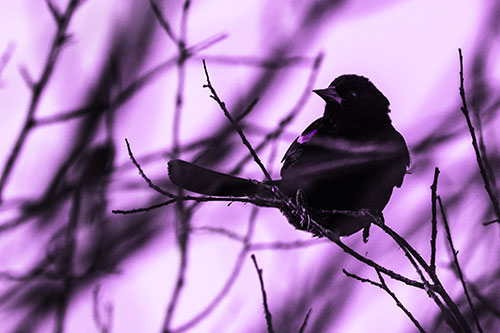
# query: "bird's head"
{"points": [[354, 97]]}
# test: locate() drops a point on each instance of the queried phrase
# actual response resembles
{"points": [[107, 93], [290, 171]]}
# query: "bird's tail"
{"points": [[204, 181]]}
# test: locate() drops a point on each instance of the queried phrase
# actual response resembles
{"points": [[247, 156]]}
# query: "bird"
{"points": [[349, 159]]}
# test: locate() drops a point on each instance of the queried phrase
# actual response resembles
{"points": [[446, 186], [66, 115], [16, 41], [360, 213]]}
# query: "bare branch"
{"points": [[487, 183], [143, 175], [269, 320], [457, 265], [235, 125], [285, 121], [163, 21], [434, 220], [383, 285]]}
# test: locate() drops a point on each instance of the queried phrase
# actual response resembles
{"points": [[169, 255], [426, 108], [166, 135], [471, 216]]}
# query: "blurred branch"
{"points": [[227, 233], [103, 325], [292, 245], [129, 90], [163, 21], [67, 263], [487, 304], [257, 61], [487, 183], [37, 89], [491, 222], [269, 320], [231, 279], [6, 55], [457, 265], [56, 13], [306, 320]]}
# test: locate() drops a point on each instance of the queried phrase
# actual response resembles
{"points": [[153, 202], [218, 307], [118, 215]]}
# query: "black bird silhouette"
{"points": [[349, 159]]}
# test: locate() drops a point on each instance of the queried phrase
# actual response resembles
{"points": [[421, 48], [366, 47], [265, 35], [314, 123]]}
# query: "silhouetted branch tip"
{"points": [[269, 321], [143, 175], [434, 219], [236, 126], [487, 182], [457, 265]]}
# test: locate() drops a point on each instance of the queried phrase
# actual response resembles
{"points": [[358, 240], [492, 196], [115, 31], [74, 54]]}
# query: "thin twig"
{"points": [[434, 220], [482, 149], [189, 198], [487, 184], [452, 313], [143, 175], [382, 285], [457, 265], [269, 320], [399, 304], [371, 263], [235, 125], [306, 320]]}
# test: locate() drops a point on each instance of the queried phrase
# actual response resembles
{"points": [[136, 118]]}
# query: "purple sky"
{"points": [[408, 49]]}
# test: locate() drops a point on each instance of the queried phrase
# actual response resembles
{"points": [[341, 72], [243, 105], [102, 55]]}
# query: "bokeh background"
{"points": [[71, 93]]}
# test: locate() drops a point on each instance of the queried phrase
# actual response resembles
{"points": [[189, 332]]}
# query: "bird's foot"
{"points": [[301, 210], [370, 216], [366, 232]]}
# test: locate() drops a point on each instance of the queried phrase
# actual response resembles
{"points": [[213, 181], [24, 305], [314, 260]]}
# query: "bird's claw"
{"points": [[301, 210], [371, 216]]}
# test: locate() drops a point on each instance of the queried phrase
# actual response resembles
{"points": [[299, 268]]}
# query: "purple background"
{"points": [[407, 48]]}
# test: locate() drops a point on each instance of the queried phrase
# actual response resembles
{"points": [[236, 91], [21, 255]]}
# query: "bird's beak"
{"points": [[329, 95]]}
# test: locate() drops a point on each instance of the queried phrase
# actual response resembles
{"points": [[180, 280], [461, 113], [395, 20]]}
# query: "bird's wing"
{"points": [[336, 158], [297, 147]]}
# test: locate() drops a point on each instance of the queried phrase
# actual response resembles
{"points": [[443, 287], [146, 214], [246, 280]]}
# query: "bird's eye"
{"points": [[352, 94]]}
